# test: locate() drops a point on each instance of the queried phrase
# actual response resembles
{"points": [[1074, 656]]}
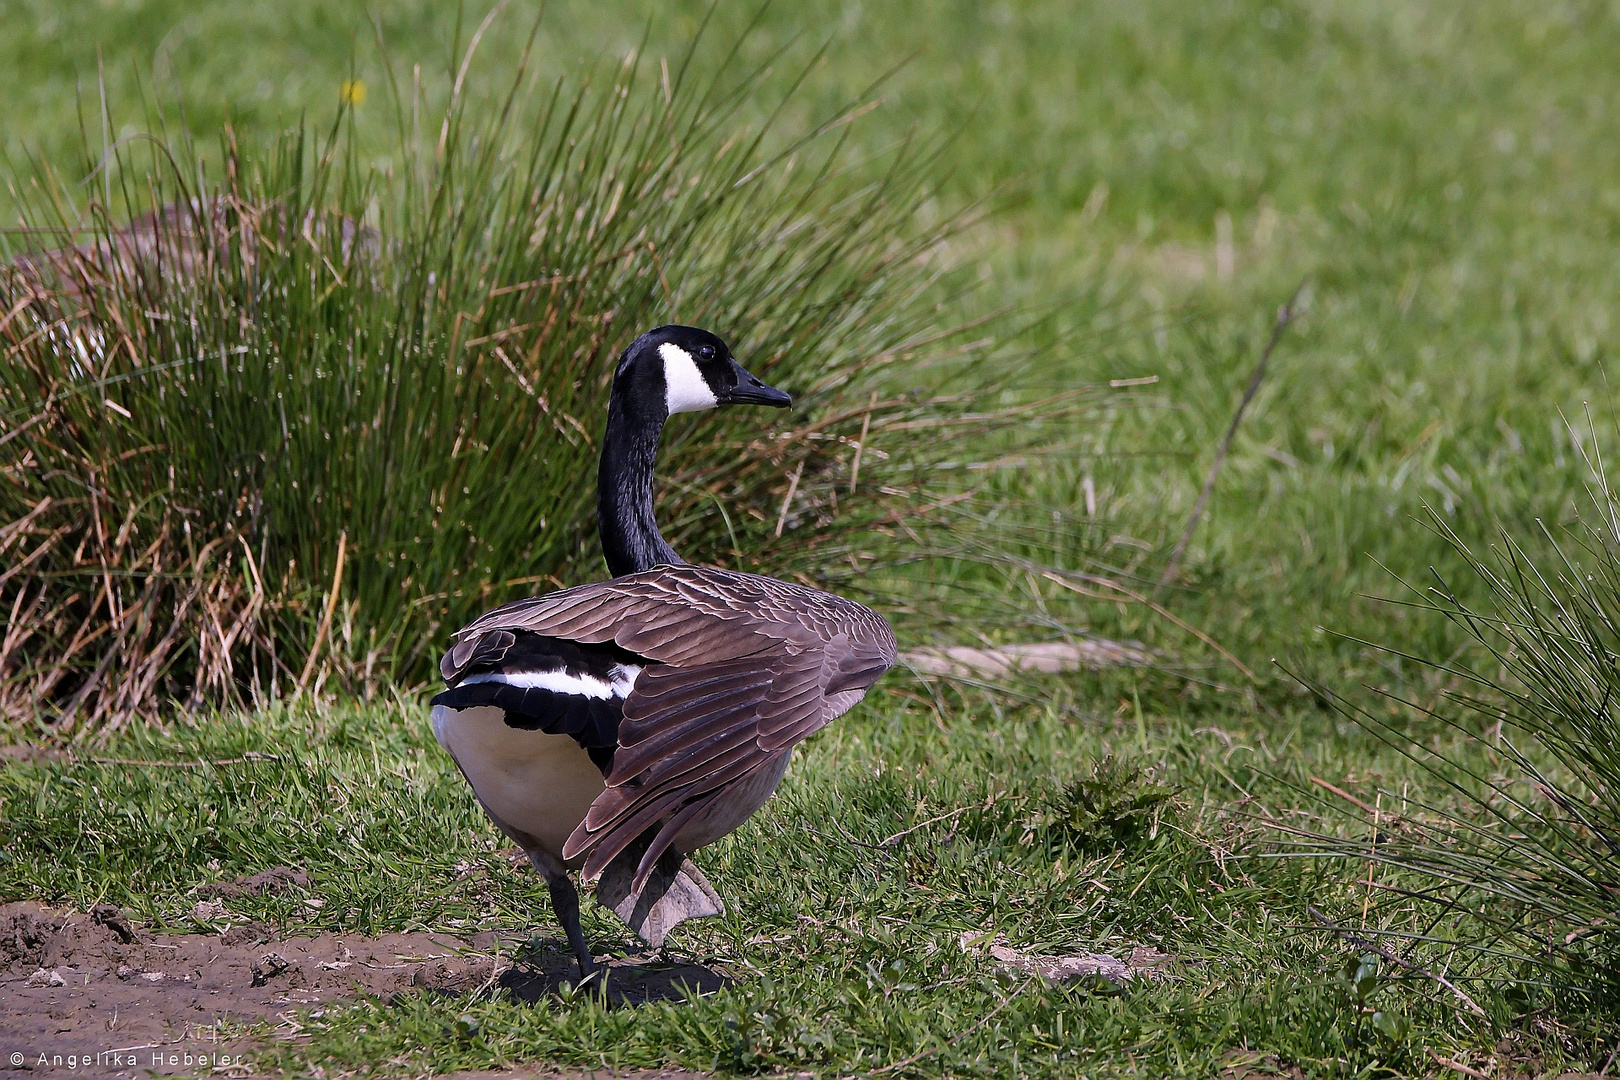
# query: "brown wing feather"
{"points": [[680, 614], [677, 753], [742, 669]]}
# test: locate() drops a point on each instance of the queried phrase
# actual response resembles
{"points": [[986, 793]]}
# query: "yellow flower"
{"points": [[353, 92]]}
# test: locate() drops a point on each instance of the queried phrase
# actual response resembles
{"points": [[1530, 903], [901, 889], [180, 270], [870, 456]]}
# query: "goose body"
{"points": [[616, 727]]}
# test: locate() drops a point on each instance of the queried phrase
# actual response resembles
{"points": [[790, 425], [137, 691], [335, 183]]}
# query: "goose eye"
{"points": [[706, 352]]}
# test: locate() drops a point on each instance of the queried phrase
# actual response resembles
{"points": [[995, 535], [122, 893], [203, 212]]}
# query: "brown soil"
{"points": [[94, 995], [274, 879]]}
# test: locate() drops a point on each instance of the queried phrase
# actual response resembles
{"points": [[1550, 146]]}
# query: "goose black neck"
{"points": [[631, 541]]}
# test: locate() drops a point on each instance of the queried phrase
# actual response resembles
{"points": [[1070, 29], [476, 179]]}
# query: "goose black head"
{"points": [[684, 369]]}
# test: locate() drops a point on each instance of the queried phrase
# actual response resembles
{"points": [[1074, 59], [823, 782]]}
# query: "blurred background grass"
{"points": [[1164, 176]]}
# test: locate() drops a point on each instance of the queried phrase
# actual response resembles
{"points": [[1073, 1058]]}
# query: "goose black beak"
{"points": [[750, 391]]}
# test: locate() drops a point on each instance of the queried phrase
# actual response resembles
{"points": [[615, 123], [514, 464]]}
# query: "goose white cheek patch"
{"points": [[685, 388]]}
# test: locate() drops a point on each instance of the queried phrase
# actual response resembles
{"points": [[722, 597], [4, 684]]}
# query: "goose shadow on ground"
{"points": [[539, 972]]}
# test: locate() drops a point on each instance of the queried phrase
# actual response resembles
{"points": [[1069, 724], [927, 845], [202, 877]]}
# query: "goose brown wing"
{"points": [[685, 616], [658, 617], [690, 736], [743, 668]]}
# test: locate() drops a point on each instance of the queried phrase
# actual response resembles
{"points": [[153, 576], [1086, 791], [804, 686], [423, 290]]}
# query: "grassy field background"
{"points": [[1444, 178], [1162, 175]]}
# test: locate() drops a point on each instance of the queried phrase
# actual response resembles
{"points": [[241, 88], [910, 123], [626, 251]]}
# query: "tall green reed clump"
{"points": [[288, 425], [1509, 867]]}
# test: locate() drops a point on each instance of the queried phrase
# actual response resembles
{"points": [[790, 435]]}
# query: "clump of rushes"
{"points": [[272, 427], [1510, 865]]}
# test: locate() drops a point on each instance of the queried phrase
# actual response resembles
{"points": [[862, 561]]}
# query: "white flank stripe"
{"points": [[685, 388], [558, 682]]}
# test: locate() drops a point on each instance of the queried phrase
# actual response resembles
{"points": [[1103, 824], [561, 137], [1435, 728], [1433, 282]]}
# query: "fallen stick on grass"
{"points": [[1458, 1066], [967, 661]]}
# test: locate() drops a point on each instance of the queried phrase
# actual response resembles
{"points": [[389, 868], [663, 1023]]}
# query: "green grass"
{"points": [[1445, 175], [846, 957]]}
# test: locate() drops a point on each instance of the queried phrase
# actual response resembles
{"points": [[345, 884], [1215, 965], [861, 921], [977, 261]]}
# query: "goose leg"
{"points": [[565, 902]]}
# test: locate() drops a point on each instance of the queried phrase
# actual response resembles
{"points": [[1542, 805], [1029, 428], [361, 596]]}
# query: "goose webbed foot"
{"points": [[675, 891]]}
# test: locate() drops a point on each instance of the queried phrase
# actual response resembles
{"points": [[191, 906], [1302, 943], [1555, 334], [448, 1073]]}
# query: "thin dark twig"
{"points": [[1158, 609], [890, 841], [1362, 943], [852, 840], [1285, 315]]}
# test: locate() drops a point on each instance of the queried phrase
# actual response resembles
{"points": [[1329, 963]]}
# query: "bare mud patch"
{"points": [[118, 1000]]}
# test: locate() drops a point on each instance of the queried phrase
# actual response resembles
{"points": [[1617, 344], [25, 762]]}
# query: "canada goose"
{"points": [[616, 727]]}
